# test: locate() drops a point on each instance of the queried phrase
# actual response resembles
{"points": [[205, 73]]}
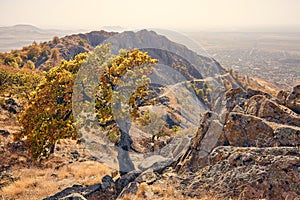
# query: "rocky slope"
{"points": [[237, 138], [250, 151], [46, 55], [246, 146], [70, 46]]}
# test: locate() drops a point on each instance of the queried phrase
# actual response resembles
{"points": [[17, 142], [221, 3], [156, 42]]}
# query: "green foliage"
{"points": [[34, 52], [203, 90], [29, 65], [152, 123], [18, 82], [118, 74], [200, 93], [39, 54], [13, 59], [55, 40], [121, 65], [55, 57], [175, 129], [82, 42], [48, 116], [10, 61], [55, 54], [46, 51], [126, 71]]}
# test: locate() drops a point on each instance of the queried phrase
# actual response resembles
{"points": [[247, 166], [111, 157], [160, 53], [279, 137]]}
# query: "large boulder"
{"points": [[235, 97], [248, 173], [270, 110], [106, 190], [293, 99], [274, 112], [209, 136], [290, 99], [253, 104], [287, 135], [246, 130]]}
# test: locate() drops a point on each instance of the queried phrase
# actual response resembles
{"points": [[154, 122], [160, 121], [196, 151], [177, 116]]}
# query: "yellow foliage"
{"points": [[48, 116]]}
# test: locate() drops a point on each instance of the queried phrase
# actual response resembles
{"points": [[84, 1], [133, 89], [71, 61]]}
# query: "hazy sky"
{"points": [[176, 14]]}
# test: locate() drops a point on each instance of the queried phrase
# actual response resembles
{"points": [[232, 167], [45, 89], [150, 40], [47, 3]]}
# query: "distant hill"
{"points": [[113, 28], [48, 54], [14, 37]]}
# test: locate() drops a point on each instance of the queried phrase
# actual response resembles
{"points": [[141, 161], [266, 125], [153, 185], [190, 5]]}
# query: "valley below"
{"points": [[272, 56]]}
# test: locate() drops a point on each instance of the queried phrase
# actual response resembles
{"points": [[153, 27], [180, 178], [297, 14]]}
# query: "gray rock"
{"points": [[293, 99], [74, 196], [274, 112], [248, 173], [248, 130], [155, 162], [148, 177], [287, 135], [124, 180], [4, 133], [131, 188]]}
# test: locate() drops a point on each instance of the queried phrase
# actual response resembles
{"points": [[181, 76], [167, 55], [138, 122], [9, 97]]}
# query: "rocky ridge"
{"points": [[247, 143], [246, 146], [251, 153], [250, 150]]}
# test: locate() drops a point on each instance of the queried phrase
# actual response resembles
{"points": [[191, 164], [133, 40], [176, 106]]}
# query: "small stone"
{"points": [[74, 196], [4, 133]]}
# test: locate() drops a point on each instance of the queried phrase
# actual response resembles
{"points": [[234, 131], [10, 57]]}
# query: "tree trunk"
{"points": [[125, 163]]}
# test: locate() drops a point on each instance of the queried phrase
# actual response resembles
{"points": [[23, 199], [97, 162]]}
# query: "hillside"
{"points": [[45, 55], [15, 37], [168, 124]]}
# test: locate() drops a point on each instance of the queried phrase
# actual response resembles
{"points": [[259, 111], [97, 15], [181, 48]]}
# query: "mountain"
{"points": [[14, 37], [46, 55], [113, 28], [225, 136], [69, 46]]}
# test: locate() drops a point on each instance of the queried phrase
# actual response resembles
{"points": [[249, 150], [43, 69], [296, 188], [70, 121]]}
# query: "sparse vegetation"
{"points": [[18, 82], [38, 183], [160, 192], [48, 116], [159, 121]]}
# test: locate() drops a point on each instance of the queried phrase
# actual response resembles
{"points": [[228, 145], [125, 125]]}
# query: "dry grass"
{"points": [[38, 183], [88, 172], [160, 192], [37, 180]]}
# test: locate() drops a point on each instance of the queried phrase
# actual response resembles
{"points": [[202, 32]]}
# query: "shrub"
{"points": [[48, 116]]}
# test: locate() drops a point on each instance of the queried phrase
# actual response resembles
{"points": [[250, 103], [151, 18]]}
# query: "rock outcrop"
{"points": [[246, 146], [250, 151], [254, 154], [248, 173], [290, 99], [293, 99]]}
